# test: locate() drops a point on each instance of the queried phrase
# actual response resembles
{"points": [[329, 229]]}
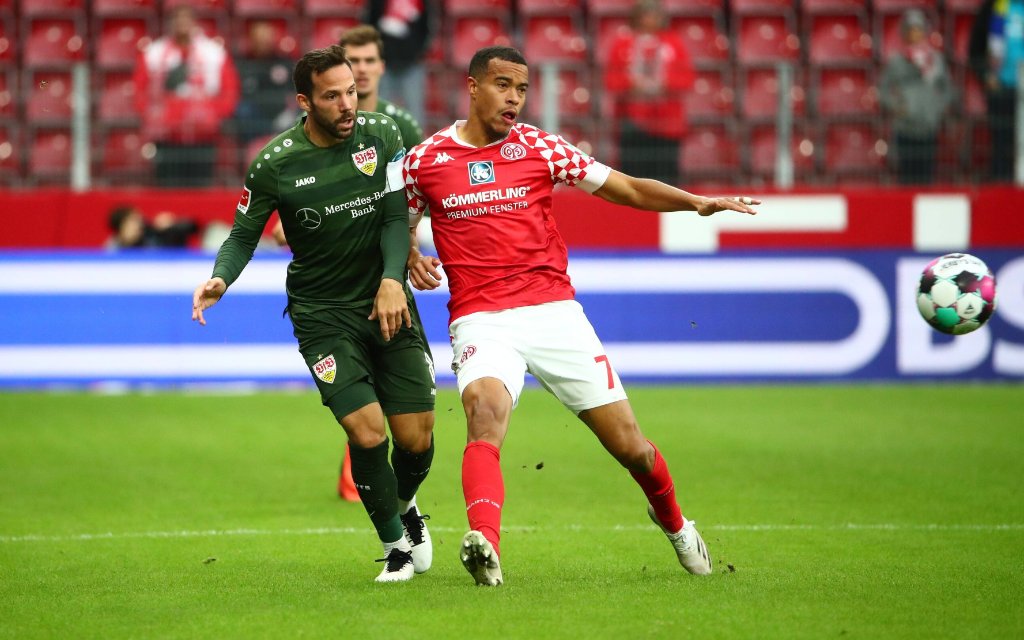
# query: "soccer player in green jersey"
{"points": [[335, 180]]}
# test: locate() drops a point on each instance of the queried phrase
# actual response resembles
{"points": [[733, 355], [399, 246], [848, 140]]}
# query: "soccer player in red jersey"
{"points": [[488, 182]]}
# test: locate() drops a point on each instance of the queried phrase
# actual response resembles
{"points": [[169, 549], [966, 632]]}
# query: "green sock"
{"points": [[376, 484], [411, 469]]}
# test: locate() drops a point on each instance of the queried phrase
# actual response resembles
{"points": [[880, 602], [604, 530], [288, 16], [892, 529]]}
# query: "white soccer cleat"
{"points": [[419, 539], [690, 548], [480, 560], [397, 567]]}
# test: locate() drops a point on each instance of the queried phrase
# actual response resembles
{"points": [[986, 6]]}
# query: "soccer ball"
{"points": [[957, 293]]}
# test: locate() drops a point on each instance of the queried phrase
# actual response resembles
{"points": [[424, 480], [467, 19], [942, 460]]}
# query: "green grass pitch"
{"points": [[831, 512]]}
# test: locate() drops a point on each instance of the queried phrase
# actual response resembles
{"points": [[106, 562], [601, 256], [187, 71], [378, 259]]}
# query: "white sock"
{"points": [[401, 544], [403, 506]]}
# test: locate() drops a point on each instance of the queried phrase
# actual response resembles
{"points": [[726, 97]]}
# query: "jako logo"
{"points": [[442, 158], [301, 182], [481, 172]]}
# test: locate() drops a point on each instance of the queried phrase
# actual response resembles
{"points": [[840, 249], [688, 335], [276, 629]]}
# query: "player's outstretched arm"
{"points": [[205, 296], [390, 308], [652, 195]]}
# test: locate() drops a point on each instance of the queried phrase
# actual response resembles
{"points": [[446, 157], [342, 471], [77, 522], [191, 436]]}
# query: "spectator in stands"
{"points": [[267, 104], [648, 70], [916, 89], [405, 26], [186, 86], [129, 229], [996, 49]]}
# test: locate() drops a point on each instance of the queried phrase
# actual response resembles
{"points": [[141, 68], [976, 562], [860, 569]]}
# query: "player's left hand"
{"points": [[737, 203], [423, 273], [390, 308]]}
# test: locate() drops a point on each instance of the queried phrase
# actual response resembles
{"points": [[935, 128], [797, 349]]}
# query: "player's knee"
{"points": [[364, 438], [413, 432]]}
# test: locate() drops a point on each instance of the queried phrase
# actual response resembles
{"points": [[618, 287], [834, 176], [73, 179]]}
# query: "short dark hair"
{"points": [[361, 35], [118, 215], [317, 61], [483, 57]]}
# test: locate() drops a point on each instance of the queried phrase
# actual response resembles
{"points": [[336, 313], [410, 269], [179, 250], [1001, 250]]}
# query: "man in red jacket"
{"points": [[647, 71], [186, 86]]}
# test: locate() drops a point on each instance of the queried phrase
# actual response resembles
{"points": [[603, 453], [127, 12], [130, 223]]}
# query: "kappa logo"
{"points": [[481, 172], [326, 369], [308, 218], [243, 202], [442, 158], [301, 182], [366, 160]]}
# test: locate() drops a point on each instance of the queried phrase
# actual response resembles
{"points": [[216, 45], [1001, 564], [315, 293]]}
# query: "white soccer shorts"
{"points": [[555, 342]]}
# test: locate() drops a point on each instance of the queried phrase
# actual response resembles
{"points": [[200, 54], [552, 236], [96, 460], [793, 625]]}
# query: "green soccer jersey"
{"points": [[412, 132], [342, 207]]}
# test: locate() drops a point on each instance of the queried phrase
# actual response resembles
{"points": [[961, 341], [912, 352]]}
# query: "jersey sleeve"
{"points": [[258, 201], [394, 241], [571, 166], [416, 201]]}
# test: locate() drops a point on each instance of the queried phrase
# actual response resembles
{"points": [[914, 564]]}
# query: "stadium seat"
{"points": [[597, 8], [355, 8], [284, 34], [554, 39], [709, 151], [705, 40], [124, 7], [116, 102], [53, 42], [713, 8], [267, 8], [573, 94], [8, 91], [604, 31], [845, 93], [854, 148], [65, 8], [10, 160], [760, 7], [550, 7], [963, 6], [491, 8], [974, 103], [203, 7], [759, 93], [766, 39], [838, 39], [899, 6], [123, 155], [470, 34], [47, 97], [119, 40], [850, 7], [7, 41], [958, 35], [761, 142], [49, 155], [711, 97], [327, 30], [439, 90]]}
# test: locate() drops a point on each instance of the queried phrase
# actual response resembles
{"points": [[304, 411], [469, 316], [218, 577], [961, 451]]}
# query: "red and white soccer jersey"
{"points": [[490, 213]]}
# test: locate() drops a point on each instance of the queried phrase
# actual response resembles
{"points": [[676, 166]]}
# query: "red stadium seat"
{"points": [[116, 102], [854, 148], [491, 8], [544, 7], [899, 6], [8, 90], [49, 155], [759, 91], [573, 91], [760, 7], [7, 41], [714, 8], [554, 39], [705, 40], [123, 7], [854, 7], [711, 97], [958, 35], [439, 91], [47, 97], [53, 42], [66, 8], [974, 102], [838, 39], [250, 8], [123, 155], [326, 31], [119, 41], [610, 7], [10, 158], [354, 8], [963, 6], [217, 7], [471, 34], [605, 31], [709, 150], [845, 92], [766, 39], [761, 143]]}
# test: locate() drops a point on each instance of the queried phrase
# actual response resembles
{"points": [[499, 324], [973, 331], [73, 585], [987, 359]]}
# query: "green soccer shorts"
{"points": [[353, 366]]}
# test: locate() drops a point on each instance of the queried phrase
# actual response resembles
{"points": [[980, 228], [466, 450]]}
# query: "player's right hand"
{"points": [[205, 296], [423, 273]]}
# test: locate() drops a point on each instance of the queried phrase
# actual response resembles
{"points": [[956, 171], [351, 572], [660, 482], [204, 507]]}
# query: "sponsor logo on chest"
{"points": [[481, 172], [366, 160]]}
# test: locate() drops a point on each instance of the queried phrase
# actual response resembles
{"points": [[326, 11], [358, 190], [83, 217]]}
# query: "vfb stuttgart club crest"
{"points": [[326, 369], [366, 160]]}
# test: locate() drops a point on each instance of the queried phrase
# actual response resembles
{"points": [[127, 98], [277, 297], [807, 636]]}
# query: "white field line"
{"points": [[321, 531]]}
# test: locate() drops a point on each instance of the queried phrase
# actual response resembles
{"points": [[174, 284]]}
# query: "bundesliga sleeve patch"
{"points": [[243, 202]]}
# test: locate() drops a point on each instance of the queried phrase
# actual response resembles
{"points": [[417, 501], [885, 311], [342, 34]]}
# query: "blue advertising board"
{"points": [[99, 318]]}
